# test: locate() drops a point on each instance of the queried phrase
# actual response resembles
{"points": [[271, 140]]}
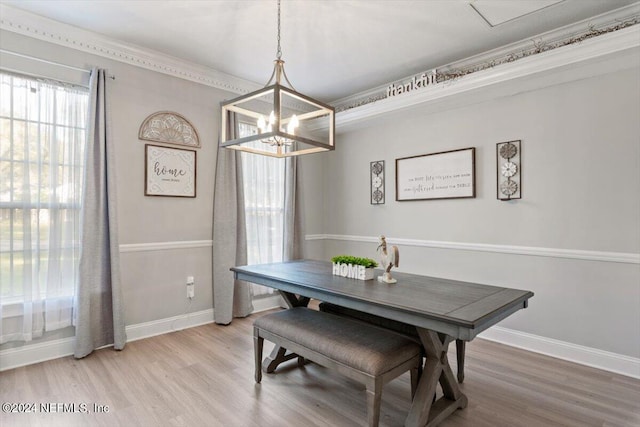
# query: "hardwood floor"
{"points": [[203, 376]]}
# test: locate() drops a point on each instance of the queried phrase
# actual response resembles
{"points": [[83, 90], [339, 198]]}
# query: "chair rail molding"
{"points": [[618, 257], [162, 246]]}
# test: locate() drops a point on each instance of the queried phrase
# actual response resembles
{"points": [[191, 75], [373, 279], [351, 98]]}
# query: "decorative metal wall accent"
{"points": [[169, 128], [509, 165], [377, 182]]}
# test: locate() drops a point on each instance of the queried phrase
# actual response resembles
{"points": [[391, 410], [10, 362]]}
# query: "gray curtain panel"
{"points": [[292, 212], [292, 247], [231, 298], [99, 311]]}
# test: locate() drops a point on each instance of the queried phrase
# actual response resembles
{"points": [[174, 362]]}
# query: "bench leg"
{"points": [[374, 398], [258, 343], [460, 346]]}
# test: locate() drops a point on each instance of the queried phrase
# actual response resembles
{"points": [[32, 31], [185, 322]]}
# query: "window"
{"points": [[42, 141], [264, 184]]}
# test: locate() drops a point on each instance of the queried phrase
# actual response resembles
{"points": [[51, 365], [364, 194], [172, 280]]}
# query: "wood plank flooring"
{"points": [[203, 376]]}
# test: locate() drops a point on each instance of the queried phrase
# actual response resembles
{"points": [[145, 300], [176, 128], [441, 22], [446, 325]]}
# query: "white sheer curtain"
{"points": [[42, 142], [264, 196]]}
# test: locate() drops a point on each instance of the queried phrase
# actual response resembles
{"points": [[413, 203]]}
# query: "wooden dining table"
{"points": [[442, 310]]}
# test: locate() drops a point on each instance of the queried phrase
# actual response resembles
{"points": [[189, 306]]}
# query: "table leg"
{"points": [[424, 411], [460, 347], [279, 354], [294, 300]]}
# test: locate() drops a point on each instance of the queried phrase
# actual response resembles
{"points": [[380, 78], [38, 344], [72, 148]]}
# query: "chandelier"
{"points": [[276, 120]]}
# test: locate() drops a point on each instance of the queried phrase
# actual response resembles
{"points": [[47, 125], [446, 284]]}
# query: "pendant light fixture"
{"points": [[276, 120]]}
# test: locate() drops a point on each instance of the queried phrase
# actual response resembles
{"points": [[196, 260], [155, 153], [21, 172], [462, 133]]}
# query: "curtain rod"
{"points": [[82, 70]]}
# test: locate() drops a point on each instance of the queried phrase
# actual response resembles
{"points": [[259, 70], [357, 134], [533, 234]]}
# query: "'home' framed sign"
{"points": [[169, 172]]}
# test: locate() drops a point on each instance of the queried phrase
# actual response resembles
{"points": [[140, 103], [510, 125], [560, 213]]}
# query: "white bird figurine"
{"points": [[388, 259]]}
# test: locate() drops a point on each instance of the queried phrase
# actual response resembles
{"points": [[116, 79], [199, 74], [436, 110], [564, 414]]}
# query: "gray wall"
{"points": [[153, 281], [581, 191]]}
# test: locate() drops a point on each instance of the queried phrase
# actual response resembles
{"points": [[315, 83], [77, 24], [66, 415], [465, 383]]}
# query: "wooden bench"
{"points": [[399, 327], [362, 352]]}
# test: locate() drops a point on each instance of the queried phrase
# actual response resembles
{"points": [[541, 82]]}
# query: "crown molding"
{"points": [[567, 32], [606, 53], [559, 34], [38, 27]]}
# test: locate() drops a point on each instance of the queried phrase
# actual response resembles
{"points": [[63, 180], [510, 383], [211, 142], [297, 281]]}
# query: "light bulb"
{"points": [[272, 118], [261, 124], [293, 124]]}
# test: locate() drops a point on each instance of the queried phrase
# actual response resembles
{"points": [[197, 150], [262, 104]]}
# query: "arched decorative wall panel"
{"points": [[169, 128]]}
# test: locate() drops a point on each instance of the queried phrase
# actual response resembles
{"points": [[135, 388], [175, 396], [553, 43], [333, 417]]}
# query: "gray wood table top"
{"points": [[459, 309]]}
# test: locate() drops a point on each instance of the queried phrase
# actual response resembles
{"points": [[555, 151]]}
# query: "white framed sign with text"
{"points": [[446, 175], [169, 172]]}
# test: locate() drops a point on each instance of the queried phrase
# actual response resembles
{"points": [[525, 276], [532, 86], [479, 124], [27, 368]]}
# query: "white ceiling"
{"points": [[332, 48]]}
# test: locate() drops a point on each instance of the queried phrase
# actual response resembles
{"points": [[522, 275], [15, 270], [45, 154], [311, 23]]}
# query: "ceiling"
{"points": [[332, 48]]}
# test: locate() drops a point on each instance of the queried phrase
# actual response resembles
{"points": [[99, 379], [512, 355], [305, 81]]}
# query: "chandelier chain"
{"points": [[279, 52]]}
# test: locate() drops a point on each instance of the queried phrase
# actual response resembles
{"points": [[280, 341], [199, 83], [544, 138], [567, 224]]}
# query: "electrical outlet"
{"points": [[190, 287]]}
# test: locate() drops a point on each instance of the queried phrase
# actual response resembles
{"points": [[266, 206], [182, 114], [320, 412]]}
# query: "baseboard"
{"points": [[267, 303], [35, 353], [169, 324], [600, 359], [612, 362], [41, 352]]}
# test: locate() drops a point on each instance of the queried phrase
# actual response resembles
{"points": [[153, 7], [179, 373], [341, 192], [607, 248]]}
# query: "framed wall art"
{"points": [[168, 127], [445, 175], [169, 172]]}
